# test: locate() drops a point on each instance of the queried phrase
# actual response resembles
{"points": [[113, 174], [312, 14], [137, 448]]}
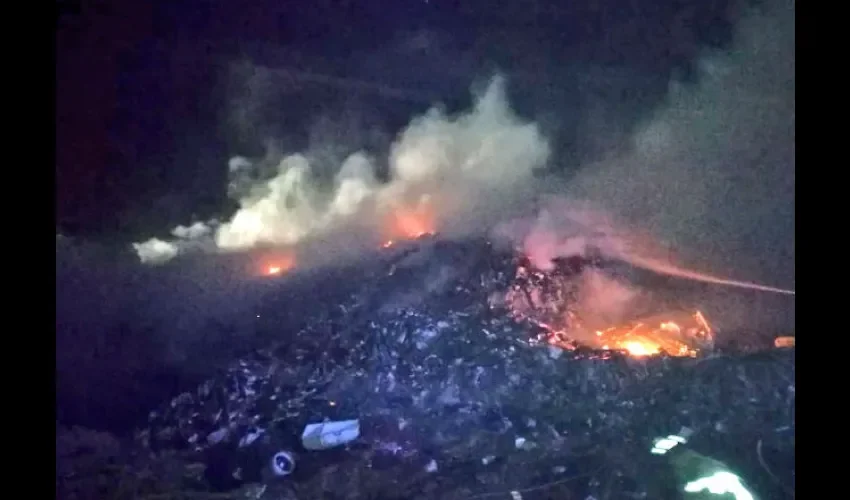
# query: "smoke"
{"points": [[453, 171], [155, 251], [705, 182], [186, 238], [708, 182], [602, 300]]}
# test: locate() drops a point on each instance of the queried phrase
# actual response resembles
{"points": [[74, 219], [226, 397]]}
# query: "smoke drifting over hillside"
{"points": [[707, 181], [443, 168]]}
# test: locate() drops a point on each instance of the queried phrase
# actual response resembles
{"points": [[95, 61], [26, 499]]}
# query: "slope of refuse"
{"points": [[457, 397]]}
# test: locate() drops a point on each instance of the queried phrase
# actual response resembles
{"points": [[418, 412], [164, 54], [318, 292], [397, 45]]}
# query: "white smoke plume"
{"points": [[155, 251], [459, 165], [186, 238]]}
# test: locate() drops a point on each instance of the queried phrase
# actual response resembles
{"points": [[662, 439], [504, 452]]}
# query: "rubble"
{"points": [[457, 398]]}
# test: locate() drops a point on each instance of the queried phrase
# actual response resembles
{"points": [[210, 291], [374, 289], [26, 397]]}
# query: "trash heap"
{"points": [[446, 394]]}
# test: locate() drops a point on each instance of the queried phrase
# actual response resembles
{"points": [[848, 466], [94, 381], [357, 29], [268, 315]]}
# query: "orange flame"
{"points": [[676, 333], [651, 336], [277, 264], [639, 348], [409, 223]]}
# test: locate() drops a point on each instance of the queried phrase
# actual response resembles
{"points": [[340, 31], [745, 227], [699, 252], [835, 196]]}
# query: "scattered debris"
{"points": [[453, 378], [329, 434], [283, 463]]}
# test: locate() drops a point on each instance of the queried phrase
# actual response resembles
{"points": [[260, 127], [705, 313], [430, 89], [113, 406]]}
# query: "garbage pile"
{"points": [[424, 385], [579, 305]]}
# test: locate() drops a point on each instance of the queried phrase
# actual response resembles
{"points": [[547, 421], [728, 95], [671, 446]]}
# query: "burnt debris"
{"points": [[457, 397]]}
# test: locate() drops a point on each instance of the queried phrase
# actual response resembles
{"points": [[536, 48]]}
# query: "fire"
{"points": [[674, 333], [637, 348], [409, 223], [277, 264], [547, 299]]}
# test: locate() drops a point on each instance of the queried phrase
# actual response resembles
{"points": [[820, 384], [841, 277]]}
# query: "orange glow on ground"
{"points": [[277, 264], [638, 348], [409, 223]]}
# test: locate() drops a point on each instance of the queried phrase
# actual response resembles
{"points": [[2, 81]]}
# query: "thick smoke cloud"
{"points": [[711, 174], [707, 182], [456, 168]]}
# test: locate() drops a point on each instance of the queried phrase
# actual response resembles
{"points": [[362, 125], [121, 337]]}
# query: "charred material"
{"points": [[458, 398]]}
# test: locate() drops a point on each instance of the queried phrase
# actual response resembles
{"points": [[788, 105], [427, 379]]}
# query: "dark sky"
{"points": [[142, 138]]}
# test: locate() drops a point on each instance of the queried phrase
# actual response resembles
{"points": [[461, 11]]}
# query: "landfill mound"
{"points": [[456, 397]]}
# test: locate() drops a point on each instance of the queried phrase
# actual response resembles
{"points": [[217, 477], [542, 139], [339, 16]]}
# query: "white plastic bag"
{"points": [[329, 434]]}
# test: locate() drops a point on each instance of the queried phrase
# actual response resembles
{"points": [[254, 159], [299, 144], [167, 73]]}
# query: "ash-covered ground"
{"points": [[457, 395]]}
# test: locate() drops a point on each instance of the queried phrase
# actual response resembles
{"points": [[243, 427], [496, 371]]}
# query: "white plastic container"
{"points": [[329, 434]]}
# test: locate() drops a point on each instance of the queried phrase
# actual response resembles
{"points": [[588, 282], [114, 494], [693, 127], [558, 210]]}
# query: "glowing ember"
{"points": [[409, 223], [785, 342], [675, 333], [277, 264], [552, 301], [636, 348], [651, 336]]}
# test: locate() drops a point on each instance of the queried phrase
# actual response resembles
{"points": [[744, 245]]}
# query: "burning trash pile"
{"points": [[553, 301], [673, 334], [442, 378]]}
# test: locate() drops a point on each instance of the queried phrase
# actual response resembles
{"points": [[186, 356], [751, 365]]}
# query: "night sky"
{"points": [[142, 131]]}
